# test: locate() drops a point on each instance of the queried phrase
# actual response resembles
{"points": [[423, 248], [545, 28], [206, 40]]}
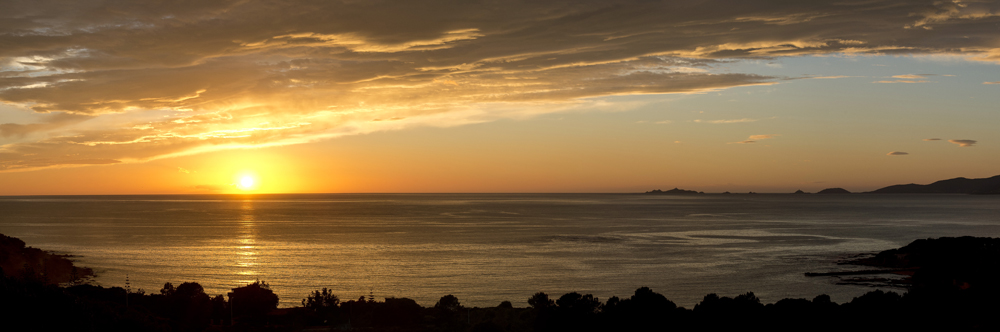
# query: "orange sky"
{"points": [[527, 97]]}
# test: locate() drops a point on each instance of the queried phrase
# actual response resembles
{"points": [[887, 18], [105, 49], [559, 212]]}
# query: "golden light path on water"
{"points": [[246, 246]]}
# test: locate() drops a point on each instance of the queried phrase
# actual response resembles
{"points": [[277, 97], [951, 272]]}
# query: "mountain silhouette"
{"points": [[951, 186], [834, 191]]}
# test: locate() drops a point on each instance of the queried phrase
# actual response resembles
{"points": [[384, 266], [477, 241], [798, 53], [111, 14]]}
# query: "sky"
{"points": [[201, 97]]}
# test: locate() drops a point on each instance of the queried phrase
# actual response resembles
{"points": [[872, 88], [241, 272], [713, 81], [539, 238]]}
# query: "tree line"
{"points": [[186, 307]]}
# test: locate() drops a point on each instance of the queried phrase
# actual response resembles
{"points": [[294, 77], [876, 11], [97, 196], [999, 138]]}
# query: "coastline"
{"points": [[187, 307]]}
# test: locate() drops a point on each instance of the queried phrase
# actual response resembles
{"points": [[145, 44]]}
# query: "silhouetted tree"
{"points": [[220, 309], [542, 307], [578, 305], [320, 300], [540, 301], [647, 298], [359, 313], [575, 312], [188, 305], [450, 314], [712, 309], [167, 289], [792, 314], [448, 303], [253, 301], [323, 304], [645, 310], [401, 312]]}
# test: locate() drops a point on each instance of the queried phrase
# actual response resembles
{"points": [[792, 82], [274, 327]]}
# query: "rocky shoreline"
{"points": [[17, 259]]}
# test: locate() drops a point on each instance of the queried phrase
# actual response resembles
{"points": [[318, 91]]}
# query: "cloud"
{"points": [[932, 139], [183, 170], [902, 81], [152, 80], [49, 122], [997, 82], [725, 121], [754, 138], [830, 77], [897, 153], [965, 143], [911, 76], [209, 187]]}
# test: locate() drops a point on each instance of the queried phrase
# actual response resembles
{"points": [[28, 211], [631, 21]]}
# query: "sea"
{"points": [[488, 248]]}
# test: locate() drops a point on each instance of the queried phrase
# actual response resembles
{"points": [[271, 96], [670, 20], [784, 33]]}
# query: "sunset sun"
{"points": [[246, 182]]}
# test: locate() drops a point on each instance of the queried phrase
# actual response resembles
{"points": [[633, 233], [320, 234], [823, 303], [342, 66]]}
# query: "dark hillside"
{"points": [[951, 186], [16, 259]]}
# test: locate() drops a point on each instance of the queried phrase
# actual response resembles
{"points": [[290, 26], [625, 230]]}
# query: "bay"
{"points": [[487, 248]]}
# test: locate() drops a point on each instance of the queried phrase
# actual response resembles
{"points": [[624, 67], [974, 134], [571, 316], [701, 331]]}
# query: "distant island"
{"points": [[951, 186], [674, 191], [960, 185], [834, 191]]}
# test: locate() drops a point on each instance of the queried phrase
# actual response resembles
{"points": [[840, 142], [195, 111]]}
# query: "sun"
{"points": [[246, 182]]}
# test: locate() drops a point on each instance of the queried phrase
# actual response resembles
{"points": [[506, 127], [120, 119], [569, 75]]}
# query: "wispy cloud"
{"points": [[830, 77], [897, 153], [910, 76], [932, 139], [726, 121], [209, 187], [997, 82], [965, 143], [754, 138], [902, 81], [183, 170], [50, 122]]}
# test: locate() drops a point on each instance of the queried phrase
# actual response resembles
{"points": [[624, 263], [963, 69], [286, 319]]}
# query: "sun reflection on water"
{"points": [[246, 248]]}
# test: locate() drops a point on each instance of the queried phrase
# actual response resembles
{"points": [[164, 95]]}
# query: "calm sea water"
{"points": [[487, 248]]}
